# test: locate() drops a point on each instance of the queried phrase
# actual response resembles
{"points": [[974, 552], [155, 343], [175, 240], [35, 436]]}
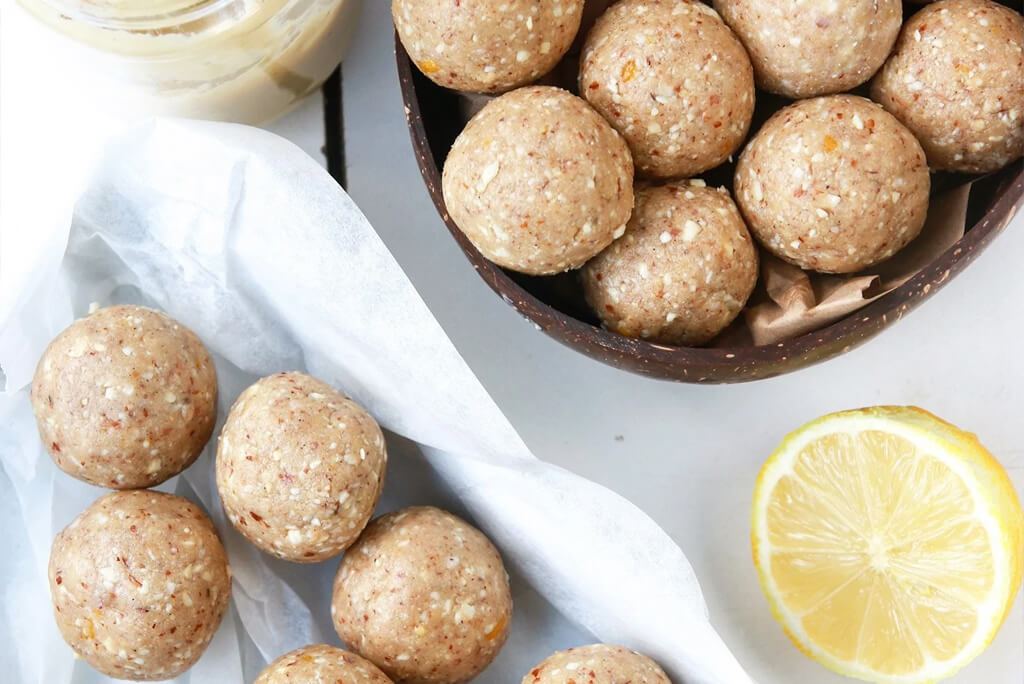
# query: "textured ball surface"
{"points": [[300, 467], [139, 582], [833, 184], [321, 664], [673, 80], [681, 273], [597, 664], [486, 46], [125, 397], [956, 79], [815, 47], [538, 181], [423, 595]]}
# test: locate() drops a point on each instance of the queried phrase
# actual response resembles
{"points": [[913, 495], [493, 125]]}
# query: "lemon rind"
{"points": [[999, 512]]}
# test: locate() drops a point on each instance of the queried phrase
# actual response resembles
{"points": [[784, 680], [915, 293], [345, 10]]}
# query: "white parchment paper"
{"points": [[247, 241]]}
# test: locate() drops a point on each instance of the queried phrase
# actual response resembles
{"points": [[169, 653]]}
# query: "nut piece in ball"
{"points": [[602, 663], [673, 80], [486, 46], [125, 398], [538, 181], [139, 583], [321, 663], [834, 184], [815, 47], [956, 79], [681, 273], [424, 595], [300, 467]]}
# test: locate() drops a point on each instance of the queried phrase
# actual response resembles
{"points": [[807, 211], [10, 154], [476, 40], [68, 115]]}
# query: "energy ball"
{"points": [[834, 184], [816, 47], [672, 78], [956, 79], [424, 595], [321, 663], [486, 46], [139, 583], [602, 663], [125, 398], [300, 467], [681, 273], [538, 181]]}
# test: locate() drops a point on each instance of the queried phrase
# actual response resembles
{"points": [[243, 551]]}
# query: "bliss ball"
{"points": [[423, 595], [672, 78], [125, 398], [321, 663], [139, 583], [601, 663], [682, 272], [818, 47], [538, 181], [300, 467], [834, 184], [956, 79], [486, 46]]}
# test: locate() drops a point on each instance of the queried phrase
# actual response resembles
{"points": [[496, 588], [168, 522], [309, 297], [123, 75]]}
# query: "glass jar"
{"points": [[231, 60]]}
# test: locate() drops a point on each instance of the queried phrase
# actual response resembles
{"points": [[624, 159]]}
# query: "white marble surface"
{"points": [[689, 455]]}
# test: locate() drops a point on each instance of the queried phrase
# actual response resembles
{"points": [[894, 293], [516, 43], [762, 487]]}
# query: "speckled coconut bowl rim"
{"points": [[431, 115]]}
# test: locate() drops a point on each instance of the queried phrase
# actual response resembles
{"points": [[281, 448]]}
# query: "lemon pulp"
{"points": [[889, 547]]}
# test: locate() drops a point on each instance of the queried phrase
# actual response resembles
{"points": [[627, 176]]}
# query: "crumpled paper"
{"points": [[801, 301], [247, 241]]}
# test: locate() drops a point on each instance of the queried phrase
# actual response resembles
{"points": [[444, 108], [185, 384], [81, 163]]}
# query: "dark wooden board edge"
{"points": [[334, 128]]}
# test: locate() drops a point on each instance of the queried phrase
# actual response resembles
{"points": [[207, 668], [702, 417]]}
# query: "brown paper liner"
{"points": [[800, 302]]}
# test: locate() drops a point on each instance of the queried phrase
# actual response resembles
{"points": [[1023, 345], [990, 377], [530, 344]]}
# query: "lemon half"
{"points": [[889, 543]]}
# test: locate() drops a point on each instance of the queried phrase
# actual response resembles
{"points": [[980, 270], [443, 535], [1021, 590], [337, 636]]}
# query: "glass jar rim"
{"points": [[137, 15]]}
